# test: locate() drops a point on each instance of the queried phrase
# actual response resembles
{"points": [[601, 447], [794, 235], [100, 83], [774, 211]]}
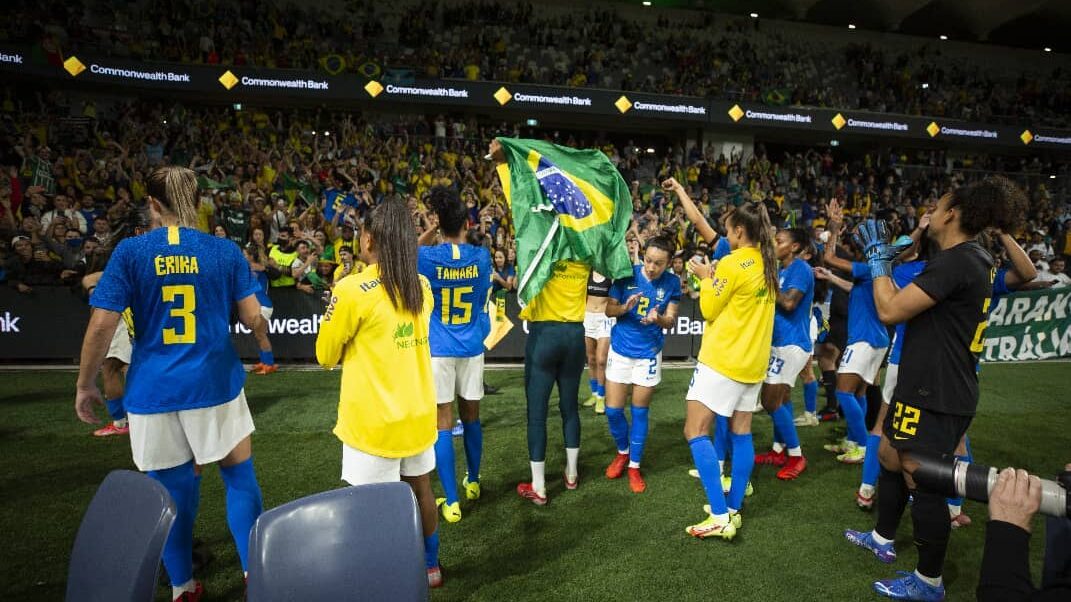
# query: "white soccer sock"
{"points": [[119, 423], [796, 452], [721, 519], [623, 452], [632, 464], [878, 538], [177, 591], [778, 447], [572, 458], [721, 467], [933, 581], [866, 490], [539, 479], [954, 510]]}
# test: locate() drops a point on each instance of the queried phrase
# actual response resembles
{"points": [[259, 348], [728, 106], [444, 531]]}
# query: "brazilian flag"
{"points": [[567, 204]]}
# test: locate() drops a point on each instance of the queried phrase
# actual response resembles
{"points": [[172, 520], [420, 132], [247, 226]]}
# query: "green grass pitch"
{"points": [[601, 542]]}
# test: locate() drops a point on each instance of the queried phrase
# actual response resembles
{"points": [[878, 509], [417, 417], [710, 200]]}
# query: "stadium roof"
{"points": [[1021, 23]]}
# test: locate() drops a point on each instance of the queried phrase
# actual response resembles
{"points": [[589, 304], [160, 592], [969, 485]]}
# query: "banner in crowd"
{"points": [[48, 324], [374, 88]]}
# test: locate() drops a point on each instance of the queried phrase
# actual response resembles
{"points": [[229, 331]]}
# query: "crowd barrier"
{"points": [[48, 325], [236, 84]]}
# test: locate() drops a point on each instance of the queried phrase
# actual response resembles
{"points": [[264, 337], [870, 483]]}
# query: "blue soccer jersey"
{"points": [[629, 337], [460, 277], [794, 327], [903, 275], [181, 285], [262, 288], [721, 248], [863, 323], [1000, 287]]}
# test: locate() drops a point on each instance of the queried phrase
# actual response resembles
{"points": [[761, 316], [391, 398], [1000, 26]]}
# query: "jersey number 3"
{"points": [[455, 309], [187, 335]]}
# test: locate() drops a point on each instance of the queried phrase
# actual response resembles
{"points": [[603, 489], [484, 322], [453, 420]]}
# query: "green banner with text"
{"points": [[1034, 325]]}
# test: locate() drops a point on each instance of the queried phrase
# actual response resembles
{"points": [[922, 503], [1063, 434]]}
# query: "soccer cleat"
{"points": [[864, 502], [525, 490], [451, 512], [635, 481], [734, 517], [838, 448], [600, 405], [617, 467], [111, 430], [865, 539], [472, 488], [793, 467], [712, 528], [727, 484], [590, 401], [855, 455], [266, 369], [771, 458], [960, 520], [573, 484], [194, 596], [806, 419], [435, 577], [909, 587], [828, 414], [458, 430]]}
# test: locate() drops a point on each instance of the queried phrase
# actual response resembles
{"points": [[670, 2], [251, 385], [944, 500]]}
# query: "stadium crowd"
{"points": [[708, 55], [293, 185]]}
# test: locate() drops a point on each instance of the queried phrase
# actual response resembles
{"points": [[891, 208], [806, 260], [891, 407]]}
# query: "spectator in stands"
{"points": [[62, 207], [28, 268], [1056, 274], [283, 255]]}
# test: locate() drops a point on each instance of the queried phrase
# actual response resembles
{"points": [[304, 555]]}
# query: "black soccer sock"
{"points": [[932, 528], [892, 497], [873, 405], [829, 381]]}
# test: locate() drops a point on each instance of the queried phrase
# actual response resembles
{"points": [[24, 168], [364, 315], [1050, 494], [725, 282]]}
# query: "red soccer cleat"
{"points": [[571, 485], [435, 577], [525, 490], [635, 481], [111, 430], [194, 596], [961, 520], [266, 369], [256, 366], [617, 467], [793, 467], [771, 458], [864, 502]]}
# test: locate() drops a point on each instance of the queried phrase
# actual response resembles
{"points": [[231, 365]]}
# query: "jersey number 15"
{"points": [[455, 309]]}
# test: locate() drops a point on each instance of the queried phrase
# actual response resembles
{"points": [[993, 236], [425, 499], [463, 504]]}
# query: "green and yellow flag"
{"points": [[567, 204]]}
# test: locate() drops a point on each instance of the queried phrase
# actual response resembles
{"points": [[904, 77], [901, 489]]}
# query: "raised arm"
{"points": [[691, 210], [836, 224], [1022, 269]]}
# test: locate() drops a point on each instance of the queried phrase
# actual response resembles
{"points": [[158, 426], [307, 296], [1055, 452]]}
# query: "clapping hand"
{"points": [[873, 237], [701, 267], [632, 302], [651, 317]]}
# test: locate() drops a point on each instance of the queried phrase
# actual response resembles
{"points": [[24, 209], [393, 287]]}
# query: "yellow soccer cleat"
{"points": [[853, 455], [839, 447], [451, 512], [734, 517], [472, 489], [590, 401], [711, 527], [600, 405], [727, 484]]}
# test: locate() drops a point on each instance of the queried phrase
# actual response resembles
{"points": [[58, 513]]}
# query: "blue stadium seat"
{"points": [[116, 554], [356, 543]]}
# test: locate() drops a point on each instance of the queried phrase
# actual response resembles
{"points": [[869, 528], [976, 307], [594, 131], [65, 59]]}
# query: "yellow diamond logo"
{"points": [[623, 104], [839, 121], [373, 88], [74, 66], [503, 96], [933, 129], [1026, 137], [228, 80], [736, 112]]}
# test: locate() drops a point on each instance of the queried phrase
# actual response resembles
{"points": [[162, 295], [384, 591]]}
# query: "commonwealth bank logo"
{"points": [[502, 96], [373, 88], [73, 66], [228, 80], [623, 104]]}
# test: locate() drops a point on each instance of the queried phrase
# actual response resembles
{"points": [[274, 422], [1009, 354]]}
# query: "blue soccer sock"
{"points": [[854, 417], [115, 408], [871, 465], [602, 389], [473, 440], [444, 464], [782, 419], [637, 436], [267, 358], [594, 384], [743, 462], [810, 396], [721, 438], [181, 484], [707, 463], [244, 504], [431, 550], [615, 419]]}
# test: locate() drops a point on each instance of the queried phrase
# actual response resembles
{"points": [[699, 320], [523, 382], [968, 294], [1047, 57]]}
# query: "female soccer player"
{"points": [[644, 304], [936, 395], [460, 277], [738, 306], [791, 350], [597, 325], [258, 264], [378, 325], [184, 397], [868, 340]]}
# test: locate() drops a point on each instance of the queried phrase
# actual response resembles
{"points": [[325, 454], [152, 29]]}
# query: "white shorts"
{"points": [[721, 394], [786, 363], [266, 312], [630, 371], [461, 376], [814, 331], [359, 468], [892, 374], [120, 347], [862, 359], [204, 435], [597, 325]]}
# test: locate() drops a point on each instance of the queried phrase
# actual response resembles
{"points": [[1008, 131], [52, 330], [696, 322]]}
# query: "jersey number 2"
{"points": [[978, 344], [183, 311], [452, 301]]}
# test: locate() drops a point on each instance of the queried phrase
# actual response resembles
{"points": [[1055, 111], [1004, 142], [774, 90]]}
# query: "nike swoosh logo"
{"points": [[899, 438]]}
